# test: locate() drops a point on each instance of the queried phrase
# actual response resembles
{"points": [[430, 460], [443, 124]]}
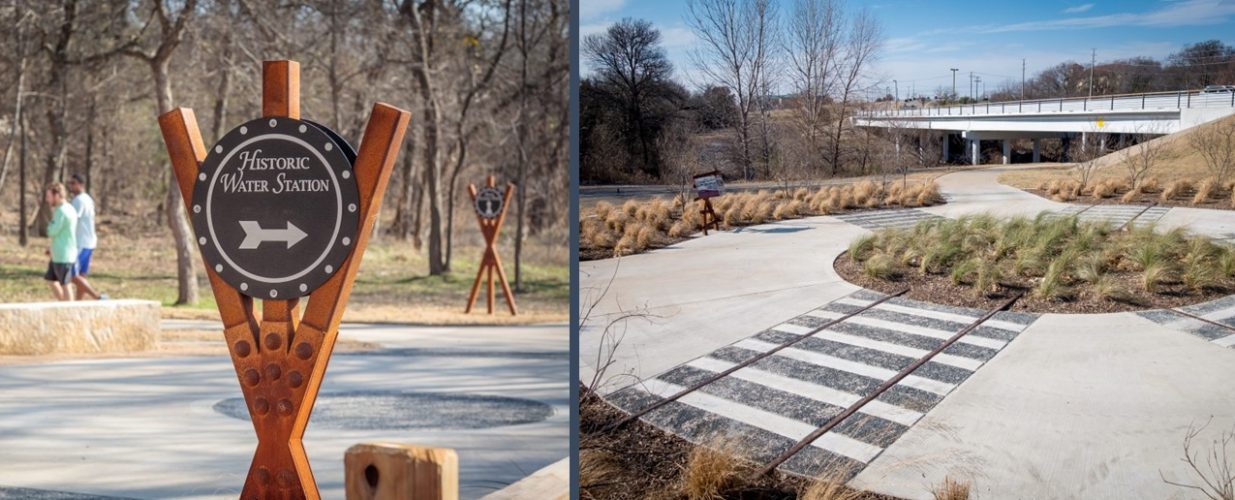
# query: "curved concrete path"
{"points": [[1092, 406], [146, 427]]}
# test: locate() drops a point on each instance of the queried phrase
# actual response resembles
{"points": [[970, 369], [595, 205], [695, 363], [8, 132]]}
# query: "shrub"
{"points": [[1153, 275], [1207, 188], [1104, 189], [709, 474], [951, 490], [1148, 185], [630, 208], [680, 229], [880, 266], [1176, 189], [860, 248], [1107, 288], [602, 209]]}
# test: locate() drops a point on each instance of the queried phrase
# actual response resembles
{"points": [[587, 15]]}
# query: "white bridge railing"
{"points": [[1156, 101]]}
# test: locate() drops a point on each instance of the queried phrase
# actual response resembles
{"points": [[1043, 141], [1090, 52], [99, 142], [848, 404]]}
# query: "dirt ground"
{"points": [[638, 461]]}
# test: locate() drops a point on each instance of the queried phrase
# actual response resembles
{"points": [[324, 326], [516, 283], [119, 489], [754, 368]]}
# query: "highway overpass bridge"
{"points": [[1064, 119]]}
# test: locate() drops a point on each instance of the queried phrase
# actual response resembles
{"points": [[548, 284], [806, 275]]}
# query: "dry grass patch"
{"points": [[606, 230], [1176, 176], [951, 489]]}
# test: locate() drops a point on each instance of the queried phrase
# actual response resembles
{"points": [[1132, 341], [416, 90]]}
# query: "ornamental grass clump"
{"points": [[1055, 258]]}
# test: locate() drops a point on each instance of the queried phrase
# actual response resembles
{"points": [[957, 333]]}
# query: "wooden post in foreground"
{"points": [[396, 471]]}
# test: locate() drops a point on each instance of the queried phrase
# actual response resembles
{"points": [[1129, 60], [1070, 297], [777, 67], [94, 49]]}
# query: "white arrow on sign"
{"points": [[254, 235]]}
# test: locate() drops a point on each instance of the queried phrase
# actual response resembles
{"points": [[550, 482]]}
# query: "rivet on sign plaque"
{"points": [[279, 216]]}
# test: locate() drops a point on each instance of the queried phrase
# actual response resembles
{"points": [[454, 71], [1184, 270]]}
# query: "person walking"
{"points": [[62, 232], [87, 240]]}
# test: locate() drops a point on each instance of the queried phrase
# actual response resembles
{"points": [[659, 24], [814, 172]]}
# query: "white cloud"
{"points": [[1078, 9], [677, 36], [1184, 13], [592, 9]]}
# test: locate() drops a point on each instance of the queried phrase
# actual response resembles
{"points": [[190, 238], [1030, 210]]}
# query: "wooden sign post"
{"points": [[282, 208], [707, 186], [491, 204]]}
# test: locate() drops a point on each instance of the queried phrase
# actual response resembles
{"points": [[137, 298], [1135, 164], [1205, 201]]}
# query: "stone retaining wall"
{"points": [[79, 327]]}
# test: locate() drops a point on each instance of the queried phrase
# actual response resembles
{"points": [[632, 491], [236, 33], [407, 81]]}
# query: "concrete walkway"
{"points": [[148, 428], [1092, 406]]}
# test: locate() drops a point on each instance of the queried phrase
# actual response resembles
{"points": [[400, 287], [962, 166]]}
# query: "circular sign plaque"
{"points": [[489, 202], [275, 207]]}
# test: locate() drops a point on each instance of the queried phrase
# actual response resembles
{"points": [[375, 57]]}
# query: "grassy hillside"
{"points": [[1175, 179]]}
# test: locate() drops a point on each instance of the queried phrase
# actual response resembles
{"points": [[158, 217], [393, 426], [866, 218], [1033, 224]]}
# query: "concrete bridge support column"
{"points": [[1037, 150], [1007, 151], [975, 151], [1102, 143], [1084, 141], [947, 143]]}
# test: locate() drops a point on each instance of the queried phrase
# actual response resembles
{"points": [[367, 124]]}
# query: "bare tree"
{"points": [[812, 43], [1216, 470], [863, 41], [1215, 142], [737, 40], [1085, 152], [1143, 154], [158, 58]]}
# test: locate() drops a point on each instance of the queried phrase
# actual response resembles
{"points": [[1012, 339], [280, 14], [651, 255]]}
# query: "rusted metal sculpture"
{"points": [[281, 356], [491, 205]]}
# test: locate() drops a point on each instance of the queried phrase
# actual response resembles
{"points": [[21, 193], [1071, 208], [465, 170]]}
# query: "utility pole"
{"points": [[977, 82], [1022, 79], [971, 85], [898, 90], [954, 70], [1093, 58]]}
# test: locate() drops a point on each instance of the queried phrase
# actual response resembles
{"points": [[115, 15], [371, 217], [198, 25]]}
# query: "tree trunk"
{"points": [[437, 264], [56, 115], [403, 208], [17, 117], [182, 234]]}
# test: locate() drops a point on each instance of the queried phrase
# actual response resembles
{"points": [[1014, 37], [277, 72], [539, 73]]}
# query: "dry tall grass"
{"points": [[635, 226], [951, 490], [709, 474]]}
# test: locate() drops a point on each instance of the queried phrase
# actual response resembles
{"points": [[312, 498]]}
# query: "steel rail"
{"points": [[739, 366], [810, 438]]}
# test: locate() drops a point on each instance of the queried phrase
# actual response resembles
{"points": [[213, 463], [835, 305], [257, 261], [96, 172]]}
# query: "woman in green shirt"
{"points": [[62, 232]]}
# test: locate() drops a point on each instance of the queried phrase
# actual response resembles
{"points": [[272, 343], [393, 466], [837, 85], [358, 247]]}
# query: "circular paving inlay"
{"points": [[376, 410]]}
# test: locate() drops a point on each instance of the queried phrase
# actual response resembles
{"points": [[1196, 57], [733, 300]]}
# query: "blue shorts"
{"points": [[83, 261]]}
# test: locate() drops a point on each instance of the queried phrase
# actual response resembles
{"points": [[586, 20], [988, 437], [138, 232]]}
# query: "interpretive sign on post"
{"points": [[491, 207], [489, 202], [282, 208], [707, 186], [275, 207]]}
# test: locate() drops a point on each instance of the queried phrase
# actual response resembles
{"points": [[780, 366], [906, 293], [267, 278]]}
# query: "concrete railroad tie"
{"points": [[1216, 324]]}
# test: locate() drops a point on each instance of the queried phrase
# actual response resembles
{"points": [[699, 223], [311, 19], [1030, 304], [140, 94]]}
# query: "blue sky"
{"points": [[922, 39]]}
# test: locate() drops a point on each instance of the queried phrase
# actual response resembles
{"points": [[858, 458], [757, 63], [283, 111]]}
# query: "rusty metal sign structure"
{"points": [[491, 205], [280, 355]]}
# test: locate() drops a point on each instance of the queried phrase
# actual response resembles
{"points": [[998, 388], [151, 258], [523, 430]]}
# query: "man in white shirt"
{"points": [[86, 238]]}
